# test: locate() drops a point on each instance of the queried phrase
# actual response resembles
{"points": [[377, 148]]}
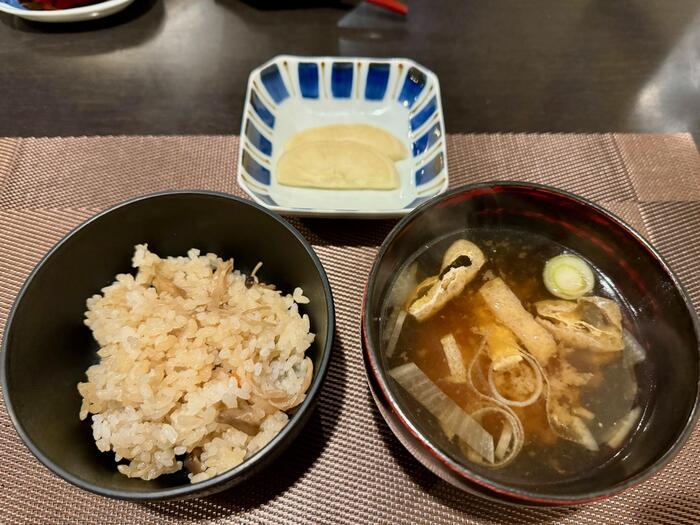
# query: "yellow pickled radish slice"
{"points": [[340, 165]]}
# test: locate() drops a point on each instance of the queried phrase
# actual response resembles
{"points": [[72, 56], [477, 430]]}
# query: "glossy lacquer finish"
{"points": [[666, 323], [179, 66], [47, 349]]}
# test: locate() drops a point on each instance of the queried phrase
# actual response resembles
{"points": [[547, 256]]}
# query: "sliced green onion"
{"points": [[568, 277]]}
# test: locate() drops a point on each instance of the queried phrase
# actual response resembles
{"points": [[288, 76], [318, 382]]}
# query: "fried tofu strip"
{"points": [[460, 264], [507, 308], [502, 346]]}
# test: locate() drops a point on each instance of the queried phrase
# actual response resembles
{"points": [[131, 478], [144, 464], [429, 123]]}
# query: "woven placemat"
{"points": [[346, 467]]}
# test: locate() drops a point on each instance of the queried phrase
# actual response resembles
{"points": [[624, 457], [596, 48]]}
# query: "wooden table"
{"points": [[180, 66]]}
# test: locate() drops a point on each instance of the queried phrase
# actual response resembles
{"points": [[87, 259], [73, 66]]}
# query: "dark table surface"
{"points": [[180, 66]]}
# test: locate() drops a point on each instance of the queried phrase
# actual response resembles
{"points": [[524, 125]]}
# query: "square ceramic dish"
{"points": [[289, 94]]}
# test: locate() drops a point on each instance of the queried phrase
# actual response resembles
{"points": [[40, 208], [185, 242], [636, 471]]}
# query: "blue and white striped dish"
{"points": [[289, 94]]}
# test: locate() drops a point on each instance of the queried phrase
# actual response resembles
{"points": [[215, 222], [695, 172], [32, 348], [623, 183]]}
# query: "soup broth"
{"points": [[532, 391]]}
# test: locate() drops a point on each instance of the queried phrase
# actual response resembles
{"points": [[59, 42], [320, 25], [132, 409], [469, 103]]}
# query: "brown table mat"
{"points": [[346, 467]]}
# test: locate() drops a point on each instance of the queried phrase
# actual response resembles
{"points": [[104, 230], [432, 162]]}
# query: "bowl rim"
{"points": [[526, 496], [54, 14], [244, 468]]}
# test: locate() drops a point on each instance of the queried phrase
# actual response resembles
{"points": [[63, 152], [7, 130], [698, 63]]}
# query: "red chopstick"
{"points": [[391, 5]]}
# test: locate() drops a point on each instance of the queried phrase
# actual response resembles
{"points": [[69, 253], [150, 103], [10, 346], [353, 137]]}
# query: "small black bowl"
{"points": [[668, 328], [46, 348]]}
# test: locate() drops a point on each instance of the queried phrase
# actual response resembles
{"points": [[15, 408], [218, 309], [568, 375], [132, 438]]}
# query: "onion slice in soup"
{"points": [[536, 390], [395, 333], [512, 435], [576, 430], [453, 418], [624, 426], [504, 442], [633, 352], [506, 449], [582, 434], [453, 354]]}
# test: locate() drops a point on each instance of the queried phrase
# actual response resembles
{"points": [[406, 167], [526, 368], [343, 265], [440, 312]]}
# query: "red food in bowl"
{"points": [[50, 5]]}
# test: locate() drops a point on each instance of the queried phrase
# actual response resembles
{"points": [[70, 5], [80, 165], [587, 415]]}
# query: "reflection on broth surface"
{"points": [[514, 377]]}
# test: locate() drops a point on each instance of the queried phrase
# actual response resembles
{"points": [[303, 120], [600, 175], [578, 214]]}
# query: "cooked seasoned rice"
{"points": [[197, 366]]}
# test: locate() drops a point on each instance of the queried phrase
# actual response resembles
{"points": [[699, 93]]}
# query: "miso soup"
{"points": [[520, 352]]}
